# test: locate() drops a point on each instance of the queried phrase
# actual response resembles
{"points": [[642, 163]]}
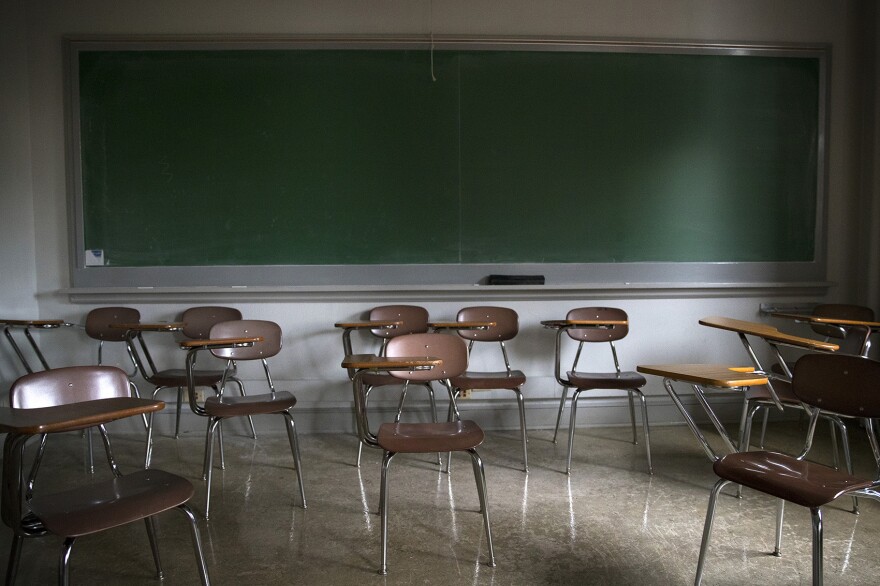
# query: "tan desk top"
{"points": [[73, 416], [360, 325], [461, 325], [596, 323], [766, 332], [150, 327], [221, 343], [373, 362], [34, 323], [827, 320], [710, 375]]}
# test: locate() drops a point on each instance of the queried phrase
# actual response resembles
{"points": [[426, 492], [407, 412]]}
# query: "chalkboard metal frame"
{"points": [[688, 274]]}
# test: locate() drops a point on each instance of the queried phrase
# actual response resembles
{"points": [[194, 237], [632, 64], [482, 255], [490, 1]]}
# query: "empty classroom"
{"points": [[728, 176]]}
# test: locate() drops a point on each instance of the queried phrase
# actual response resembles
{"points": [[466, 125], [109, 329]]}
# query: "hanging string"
{"points": [[433, 77], [431, 32]]}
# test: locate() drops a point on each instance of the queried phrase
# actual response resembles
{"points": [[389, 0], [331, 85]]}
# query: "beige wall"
{"points": [[665, 325]]}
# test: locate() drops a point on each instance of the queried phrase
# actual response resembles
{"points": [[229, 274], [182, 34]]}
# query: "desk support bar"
{"points": [[690, 420], [760, 368]]}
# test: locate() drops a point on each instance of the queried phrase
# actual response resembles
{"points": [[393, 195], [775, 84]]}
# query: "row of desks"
{"points": [[741, 327], [22, 423], [701, 377]]}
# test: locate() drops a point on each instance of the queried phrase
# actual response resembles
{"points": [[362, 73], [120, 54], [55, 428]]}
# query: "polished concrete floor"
{"points": [[608, 523]]}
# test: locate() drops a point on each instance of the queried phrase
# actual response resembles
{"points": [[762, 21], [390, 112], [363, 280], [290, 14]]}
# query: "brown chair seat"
{"points": [[125, 499], [249, 404], [798, 481], [489, 380], [417, 438], [606, 380]]}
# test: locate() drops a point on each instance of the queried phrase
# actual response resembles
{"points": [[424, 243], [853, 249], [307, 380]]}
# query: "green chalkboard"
{"points": [[341, 156]]}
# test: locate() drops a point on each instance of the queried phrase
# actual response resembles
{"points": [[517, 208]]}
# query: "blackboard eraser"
{"points": [[515, 280]]}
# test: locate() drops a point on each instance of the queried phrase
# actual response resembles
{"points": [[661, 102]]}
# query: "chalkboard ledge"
{"points": [[441, 292]]}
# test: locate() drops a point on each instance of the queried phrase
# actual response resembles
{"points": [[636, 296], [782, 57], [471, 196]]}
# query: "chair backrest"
{"points": [[414, 318], [197, 321], [452, 350], [98, 322], [243, 328], [839, 383], [506, 323], [605, 334], [70, 384]]}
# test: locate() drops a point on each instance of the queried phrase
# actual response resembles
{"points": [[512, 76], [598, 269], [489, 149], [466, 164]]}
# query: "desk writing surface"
{"points": [[374, 362], [33, 323], [362, 325], [819, 319], [711, 375], [766, 332], [461, 325], [73, 416], [220, 342], [150, 327], [220, 136], [573, 323]]}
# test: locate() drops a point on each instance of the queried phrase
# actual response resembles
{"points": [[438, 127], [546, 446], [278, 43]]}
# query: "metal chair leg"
{"points": [[220, 442], [400, 404], [816, 516], [742, 426], [480, 477], [647, 430], [179, 409], [14, 558], [847, 455], [154, 546], [632, 416], [707, 528], [64, 564], [90, 466], [764, 426], [361, 445], [780, 513], [449, 417], [35, 467], [559, 415], [522, 428], [149, 451], [209, 463], [137, 395], [294, 448], [197, 544], [250, 419], [835, 450], [573, 420], [434, 416], [383, 512]]}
